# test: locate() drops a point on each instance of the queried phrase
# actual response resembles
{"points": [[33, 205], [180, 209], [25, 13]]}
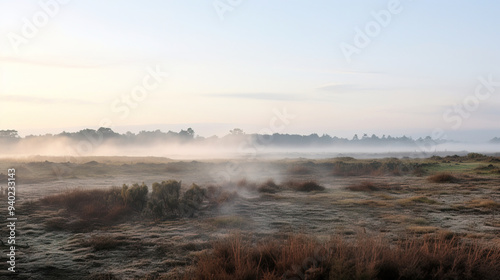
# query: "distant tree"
{"points": [[236, 131], [10, 133], [107, 132], [355, 138], [129, 134], [189, 133]]}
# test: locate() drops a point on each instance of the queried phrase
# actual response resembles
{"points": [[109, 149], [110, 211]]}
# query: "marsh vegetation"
{"points": [[341, 218]]}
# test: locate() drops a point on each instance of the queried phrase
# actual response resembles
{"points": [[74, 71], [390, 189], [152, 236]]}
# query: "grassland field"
{"points": [[338, 218]]}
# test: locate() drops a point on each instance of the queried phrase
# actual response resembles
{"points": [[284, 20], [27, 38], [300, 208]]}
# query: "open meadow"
{"points": [[340, 218]]}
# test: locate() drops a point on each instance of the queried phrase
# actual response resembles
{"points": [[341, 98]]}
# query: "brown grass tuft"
{"points": [[268, 187], [442, 178], [365, 186], [299, 170], [102, 276], [91, 207], [300, 257], [308, 186]]}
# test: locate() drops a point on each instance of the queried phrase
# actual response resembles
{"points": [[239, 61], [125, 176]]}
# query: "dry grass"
{"points": [[300, 257], [89, 208], [421, 229], [229, 221], [102, 276], [484, 203], [308, 186], [268, 187], [442, 178], [299, 170], [388, 167], [104, 242], [365, 186], [416, 199], [217, 195]]}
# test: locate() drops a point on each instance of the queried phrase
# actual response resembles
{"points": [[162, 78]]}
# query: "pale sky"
{"points": [[71, 64]]}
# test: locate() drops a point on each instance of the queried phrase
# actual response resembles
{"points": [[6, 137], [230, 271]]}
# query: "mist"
{"points": [[236, 148]]}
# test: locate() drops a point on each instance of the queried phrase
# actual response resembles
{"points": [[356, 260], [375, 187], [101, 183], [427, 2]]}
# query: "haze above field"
{"points": [[342, 68], [186, 144]]}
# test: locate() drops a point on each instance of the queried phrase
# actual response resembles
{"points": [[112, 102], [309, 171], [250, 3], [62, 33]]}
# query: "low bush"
{"points": [[268, 187], [192, 200], [365, 186], [164, 199], [299, 170], [394, 167], [308, 186], [135, 196], [88, 204], [88, 209], [442, 178]]}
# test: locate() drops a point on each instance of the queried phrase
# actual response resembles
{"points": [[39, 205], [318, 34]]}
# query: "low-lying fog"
{"points": [[244, 150]]}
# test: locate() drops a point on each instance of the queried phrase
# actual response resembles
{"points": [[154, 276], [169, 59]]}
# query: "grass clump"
{"points": [[300, 257], [88, 209], [421, 229], [299, 170], [417, 199], [135, 196], [228, 221], [102, 276], [484, 203], [365, 186], [308, 186], [104, 242], [390, 166], [442, 177], [268, 187], [98, 206]]}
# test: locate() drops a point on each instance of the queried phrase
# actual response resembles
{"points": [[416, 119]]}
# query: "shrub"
{"points": [[442, 178], [102, 276], [365, 186], [165, 198], [268, 187], [476, 156], [299, 170], [308, 186], [192, 200], [135, 196], [216, 195]]}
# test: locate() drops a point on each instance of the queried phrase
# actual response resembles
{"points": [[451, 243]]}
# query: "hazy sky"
{"points": [[339, 67]]}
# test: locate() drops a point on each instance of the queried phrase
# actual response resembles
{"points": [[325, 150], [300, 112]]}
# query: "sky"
{"points": [[329, 67]]}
